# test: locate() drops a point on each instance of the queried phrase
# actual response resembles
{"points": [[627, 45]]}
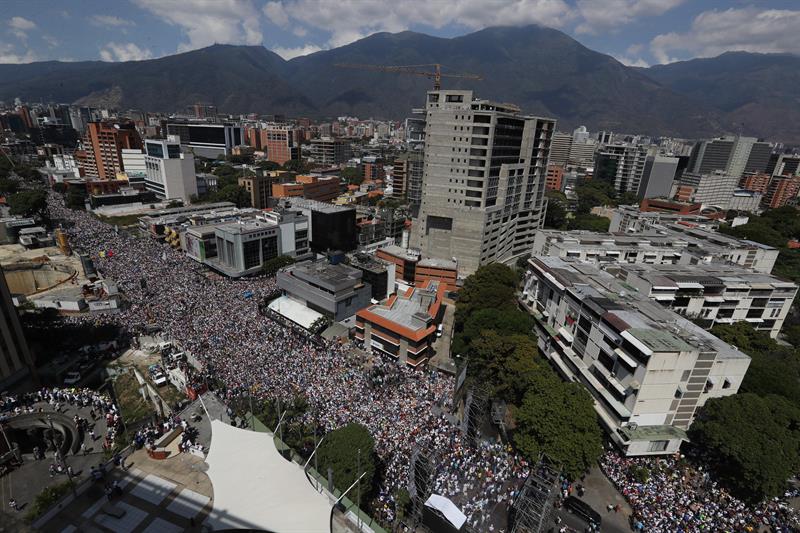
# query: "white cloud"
{"points": [[630, 62], [289, 53], [21, 23], [349, 20], [51, 41], [610, 15], [20, 26], [276, 13], [205, 22], [110, 20], [8, 54], [300, 31], [715, 32], [124, 52]]}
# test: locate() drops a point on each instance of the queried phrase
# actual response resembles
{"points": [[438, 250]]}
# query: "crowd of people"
{"points": [[217, 320], [668, 494]]}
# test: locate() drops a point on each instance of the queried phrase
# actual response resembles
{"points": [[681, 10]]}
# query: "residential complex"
{"points": [[483, 180], [103, 144], [648, 368]]}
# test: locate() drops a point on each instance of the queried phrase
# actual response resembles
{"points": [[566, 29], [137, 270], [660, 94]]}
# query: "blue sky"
{"points": [[637, 32]]}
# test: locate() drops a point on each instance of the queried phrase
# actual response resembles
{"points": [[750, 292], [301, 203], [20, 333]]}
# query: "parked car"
{"points": [[72, 377]]}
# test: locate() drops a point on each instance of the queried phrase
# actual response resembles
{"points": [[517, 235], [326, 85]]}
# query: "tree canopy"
{"points": [[340, 451], [589, 222], [753, 442], [28, 203], [556, 215], [559, 420], [493, 285], [271, 266]]}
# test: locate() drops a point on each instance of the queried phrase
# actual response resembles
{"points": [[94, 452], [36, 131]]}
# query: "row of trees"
{"points": [[590, 193], [752, 439], [546, 415]]}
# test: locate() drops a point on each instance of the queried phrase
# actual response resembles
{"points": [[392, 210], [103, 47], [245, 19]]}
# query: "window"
{"points": [[658, 446]]}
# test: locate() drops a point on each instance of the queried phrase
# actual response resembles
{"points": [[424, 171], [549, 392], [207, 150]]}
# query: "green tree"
{"points": [[271, 266], [505, 321], [8, 186], [29, 203], [268, 166], [558, 419], [556, 215], [492, 285], [589, 222], [295, 165], [341, 451], [232, 193], [76, 197], [505, 365], [353, 176], [753, 441]]}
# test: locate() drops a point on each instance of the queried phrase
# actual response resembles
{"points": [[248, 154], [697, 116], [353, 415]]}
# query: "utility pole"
{"points": [[358, 493]]}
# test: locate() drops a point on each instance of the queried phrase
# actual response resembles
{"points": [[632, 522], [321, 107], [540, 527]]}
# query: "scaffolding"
{"points": [[533, 510], [474, 414], [499, 411], [421, 478]]}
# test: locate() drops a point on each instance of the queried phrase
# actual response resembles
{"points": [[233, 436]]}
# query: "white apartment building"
{"points": [[714, 293], [648, 368], [170, 172], [134, 165], [666, 246], [483, 180]]}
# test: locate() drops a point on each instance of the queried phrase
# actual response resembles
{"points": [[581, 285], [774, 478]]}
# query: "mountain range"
{"points": [[542, 70]]}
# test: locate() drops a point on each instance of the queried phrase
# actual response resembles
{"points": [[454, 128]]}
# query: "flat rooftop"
{"points": [[617, 302], [314, 205], [410, 311]]}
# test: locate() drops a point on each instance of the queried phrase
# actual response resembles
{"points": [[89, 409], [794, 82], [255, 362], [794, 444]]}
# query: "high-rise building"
{"points": [[659, 172], [483, 180], [732, 155], [622, 165], [712, 190], [580, 135], [756, 181], [407, 177], [783, 165], [16, 360], [103, 143], [560, 148], [207, 140], [170, 172], [781, 190], [281, 143], [327, 151]]}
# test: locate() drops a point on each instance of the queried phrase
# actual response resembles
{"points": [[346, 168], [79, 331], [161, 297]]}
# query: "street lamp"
{"points": [[59, 456]]}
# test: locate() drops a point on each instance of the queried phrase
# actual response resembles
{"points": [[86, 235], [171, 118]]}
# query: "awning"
{"points": [[448, 509], [627, 359], [714, 299], [566, 334], [663, 297], [256, 488], [754, 320], [689, 285]]}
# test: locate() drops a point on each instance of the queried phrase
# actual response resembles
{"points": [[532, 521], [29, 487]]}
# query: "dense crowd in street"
{"points": [[678, 497], [217, 321]]}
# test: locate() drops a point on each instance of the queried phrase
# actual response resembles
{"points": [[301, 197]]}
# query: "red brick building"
{"points": [[781, 190], [103, 143], [280, 144], [756, 181], [555, 178]]}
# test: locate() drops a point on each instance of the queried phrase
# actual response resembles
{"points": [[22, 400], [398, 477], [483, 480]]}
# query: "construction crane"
{"points": [[436, 75]]}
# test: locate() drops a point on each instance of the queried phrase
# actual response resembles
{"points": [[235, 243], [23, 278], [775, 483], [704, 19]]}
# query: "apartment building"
{"points": [[622, 165], [483, 180], [259, 188], [328, 151], [103, 143], [714, 294], [632, 219], [648, 368], [281, 143]]}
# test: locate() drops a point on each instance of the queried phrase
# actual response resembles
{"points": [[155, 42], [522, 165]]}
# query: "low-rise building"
{"points": [[336, 291], [412, 269], [713, 294], [378, 273], [673, 245], [633, 219], [648, 368], [403, 328]]}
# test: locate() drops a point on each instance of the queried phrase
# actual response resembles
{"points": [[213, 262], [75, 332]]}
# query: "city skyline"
{"points": [[638, 33]]}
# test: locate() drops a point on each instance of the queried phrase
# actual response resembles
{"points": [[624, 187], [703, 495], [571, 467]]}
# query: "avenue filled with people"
{"points": [[217, 321]]}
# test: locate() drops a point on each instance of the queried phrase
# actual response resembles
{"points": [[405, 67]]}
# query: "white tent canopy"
{"points": [[448, 509], [256, 488]]}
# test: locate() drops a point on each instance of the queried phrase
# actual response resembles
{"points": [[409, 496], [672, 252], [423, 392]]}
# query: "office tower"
{"points": [[207, 140], [103, 143], [659, 172], [327, 151], [732, 155], [580, 135], [483, 180], [621, 165], [15, 359], [170, 172], [281, 143], [560, 148], [783, 165], [712, 190]]}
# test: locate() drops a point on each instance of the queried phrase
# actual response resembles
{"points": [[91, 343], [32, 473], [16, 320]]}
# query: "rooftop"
{"points": [[314, 205], [411, 310], [659, 329]]}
